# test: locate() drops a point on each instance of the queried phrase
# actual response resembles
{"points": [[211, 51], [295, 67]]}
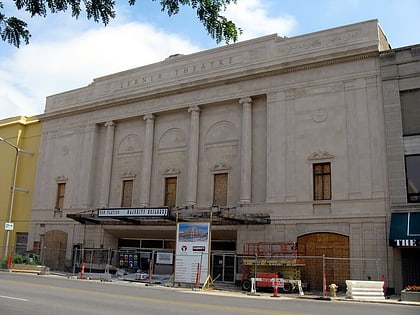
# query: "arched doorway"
{"points": [[331, 245], [54, 249]]}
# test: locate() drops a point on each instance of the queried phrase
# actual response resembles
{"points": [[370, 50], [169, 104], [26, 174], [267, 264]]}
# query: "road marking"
{"points": [[13, 298], [160, 301]]}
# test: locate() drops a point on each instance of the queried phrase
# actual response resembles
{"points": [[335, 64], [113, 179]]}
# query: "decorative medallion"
{"points": [[320, 116]]}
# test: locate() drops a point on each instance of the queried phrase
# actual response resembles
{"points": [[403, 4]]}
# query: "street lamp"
{"points": [[12, 195]]}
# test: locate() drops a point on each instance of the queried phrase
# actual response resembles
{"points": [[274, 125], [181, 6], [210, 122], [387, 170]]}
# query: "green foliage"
{"points": [[15, 31], [27, 259], [208, 12]]}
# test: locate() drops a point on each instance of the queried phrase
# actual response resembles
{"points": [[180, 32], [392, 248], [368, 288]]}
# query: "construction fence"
{"points": [[315, 272]]}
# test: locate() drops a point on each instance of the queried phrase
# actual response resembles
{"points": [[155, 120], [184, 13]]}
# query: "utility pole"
{"points": [[9, 225]]}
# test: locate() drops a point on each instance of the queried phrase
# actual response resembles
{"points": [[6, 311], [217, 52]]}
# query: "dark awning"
{"points": [[134, 216], [405, 229]]}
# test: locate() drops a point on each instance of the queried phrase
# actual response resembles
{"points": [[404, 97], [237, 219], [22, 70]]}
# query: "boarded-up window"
{"points": [[127, 193], [61, 189], [220, 189], [170, 192], [410, 111], [322, 181]]}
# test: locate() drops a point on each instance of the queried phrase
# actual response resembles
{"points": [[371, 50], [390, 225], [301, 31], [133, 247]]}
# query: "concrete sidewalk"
{"points": [[341, 296]]}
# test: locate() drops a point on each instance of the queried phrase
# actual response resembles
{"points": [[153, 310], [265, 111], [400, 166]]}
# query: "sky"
{"points": [[65, 53]]}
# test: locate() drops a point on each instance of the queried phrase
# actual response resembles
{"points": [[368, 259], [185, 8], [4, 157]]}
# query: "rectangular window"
{"points": [[322, 181], [170, 192], [220, 189], [61, 189], [21, 242], [412, 167], [127, 193], [410, 112]]}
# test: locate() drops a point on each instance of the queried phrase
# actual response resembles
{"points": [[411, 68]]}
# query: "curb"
{"points": [[387, 300]]}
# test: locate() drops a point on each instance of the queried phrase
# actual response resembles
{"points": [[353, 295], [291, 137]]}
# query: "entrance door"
{"points": [[332, 246], [223, 267], [410, 259], [53, 252]]}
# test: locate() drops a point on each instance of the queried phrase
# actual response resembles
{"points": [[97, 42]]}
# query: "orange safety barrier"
{"points": [[324, 286], [10, 261], [197, 276], [276, 286], [82, 273]]}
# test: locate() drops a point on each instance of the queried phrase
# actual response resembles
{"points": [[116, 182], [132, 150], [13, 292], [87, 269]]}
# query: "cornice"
{"points": [[236, 77]]}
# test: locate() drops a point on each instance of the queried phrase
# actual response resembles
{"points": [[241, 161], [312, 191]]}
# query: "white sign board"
{"points": [[192, 252], [164, 258], [8, 226], [134, 212]]}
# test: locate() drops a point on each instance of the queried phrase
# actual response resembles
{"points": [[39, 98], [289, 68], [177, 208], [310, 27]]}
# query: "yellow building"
{"points": [[19, 143]]}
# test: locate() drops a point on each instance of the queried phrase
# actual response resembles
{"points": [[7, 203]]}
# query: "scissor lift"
{"points": [[264, 260]]}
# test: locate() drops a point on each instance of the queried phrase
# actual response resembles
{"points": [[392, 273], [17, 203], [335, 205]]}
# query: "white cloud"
{"points": [[254, 18], [65, 53], [46, 67]]}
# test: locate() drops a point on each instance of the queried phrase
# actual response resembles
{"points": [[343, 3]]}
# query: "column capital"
{"points": [[109, 124], [149, 117], [245, 100], [194, 109]]}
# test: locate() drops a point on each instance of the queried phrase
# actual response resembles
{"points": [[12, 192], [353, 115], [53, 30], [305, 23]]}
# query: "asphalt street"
{"points": [[25, 294]]}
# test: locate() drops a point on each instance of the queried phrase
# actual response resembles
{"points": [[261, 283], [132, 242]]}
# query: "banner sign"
{"points": [[134, 212], [192, 252]]}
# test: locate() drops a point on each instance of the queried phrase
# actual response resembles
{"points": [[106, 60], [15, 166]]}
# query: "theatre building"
{"points": [[272, 140], [401, 90]]}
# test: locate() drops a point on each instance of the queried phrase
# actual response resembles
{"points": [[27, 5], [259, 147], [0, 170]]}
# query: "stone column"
{"points": [[107, 164], [192, 162], [246, 150], [146, 170], [86, 156]]}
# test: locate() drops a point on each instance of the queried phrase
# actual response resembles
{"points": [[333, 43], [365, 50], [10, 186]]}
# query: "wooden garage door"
{"points": [[54, 251], [332, 246]]}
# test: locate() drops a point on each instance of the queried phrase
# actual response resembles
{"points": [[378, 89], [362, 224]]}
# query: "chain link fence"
{"points": [[314, 272]]}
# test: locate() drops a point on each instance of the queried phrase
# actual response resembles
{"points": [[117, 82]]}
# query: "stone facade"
{"points": [[401, 75], [262, 111]]}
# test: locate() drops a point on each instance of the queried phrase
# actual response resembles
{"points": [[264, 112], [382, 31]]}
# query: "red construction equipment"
{"points": [[266, 261]]}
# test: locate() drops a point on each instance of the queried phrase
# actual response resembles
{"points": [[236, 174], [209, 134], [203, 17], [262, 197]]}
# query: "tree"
{"points": [[15, 31]]}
